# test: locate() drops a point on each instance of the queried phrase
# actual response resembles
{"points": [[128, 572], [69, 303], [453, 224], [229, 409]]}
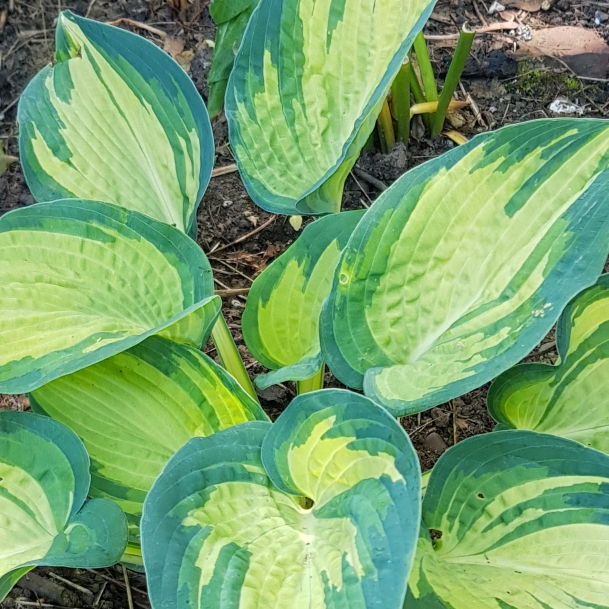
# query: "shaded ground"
{"points": [[241, 239]]}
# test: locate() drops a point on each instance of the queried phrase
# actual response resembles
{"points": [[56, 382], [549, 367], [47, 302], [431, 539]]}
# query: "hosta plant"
{"points": [[320, 509], [134, 410], [104, 312], [462, 266], [44, 520], [451, 277], [116, 120], [571, 398], [281, 319], [83, 280], [514, 519], [455, 273], [307, 86]]}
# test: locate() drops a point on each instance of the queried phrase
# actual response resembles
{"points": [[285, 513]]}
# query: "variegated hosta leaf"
{"points": [[44, 479], [464, 264], [81, 281], [281, 318], [524, 524], [307, 81], [231, 17], [116, 120], [133, 411], [226, 526], [570, 399]]}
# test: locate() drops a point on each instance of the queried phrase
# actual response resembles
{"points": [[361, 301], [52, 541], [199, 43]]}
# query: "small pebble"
{"points": [[435, 443]]}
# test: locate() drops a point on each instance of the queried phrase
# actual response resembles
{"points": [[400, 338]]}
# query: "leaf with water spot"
{"points": [[520, 520]]}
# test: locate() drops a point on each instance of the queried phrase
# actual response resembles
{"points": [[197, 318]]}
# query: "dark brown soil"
{"points": [[504, 91], [58, 587]]}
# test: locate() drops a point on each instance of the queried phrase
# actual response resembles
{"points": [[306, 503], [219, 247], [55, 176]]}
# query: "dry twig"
{"points": [[363, 191], [112, 580], [138, 24], [244, 237], [364, 175], [100, 594], [38, 604], [221, 171], [127, 588], [91, 4], [228, 292], [71, 584], [493, 28]]}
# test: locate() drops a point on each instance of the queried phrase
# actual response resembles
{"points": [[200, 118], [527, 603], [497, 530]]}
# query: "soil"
{"points": [[241, 239]]}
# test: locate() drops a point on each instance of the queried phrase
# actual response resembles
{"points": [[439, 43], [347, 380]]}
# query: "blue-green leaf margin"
{"points": [[117, 46], [188, 258], [98, 517], [580, 269], [261, 34]]}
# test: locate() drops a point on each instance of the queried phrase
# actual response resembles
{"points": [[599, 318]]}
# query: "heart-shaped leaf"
{"points": [[319, 510], [81, 281], [570, 399], [44, 480], [305, 90], [281, 318], [133, 411], [461, 267], [520, 521], [115, 119]]}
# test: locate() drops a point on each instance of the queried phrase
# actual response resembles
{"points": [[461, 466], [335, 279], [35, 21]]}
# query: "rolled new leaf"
{"points": [[115, 119], [133, 411], [570, 399], [81, 281], [281, 318], [231, 17], [520, 520], [461, 267], [44, 480], [305, 90], [319, 510]]}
